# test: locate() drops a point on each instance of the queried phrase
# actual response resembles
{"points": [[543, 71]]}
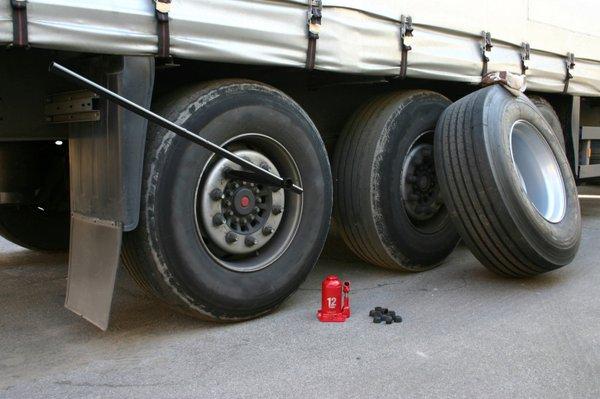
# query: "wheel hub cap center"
{"points": [[244, 201], [418, 184], [240, 217]]}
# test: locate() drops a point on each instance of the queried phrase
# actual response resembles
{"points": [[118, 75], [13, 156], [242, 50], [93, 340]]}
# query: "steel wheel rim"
{"points": [[538, 171], [418, 186], [284, 208]]}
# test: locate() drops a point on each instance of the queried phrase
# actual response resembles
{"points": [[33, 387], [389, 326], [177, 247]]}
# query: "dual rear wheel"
{"points": [[388, 204]]}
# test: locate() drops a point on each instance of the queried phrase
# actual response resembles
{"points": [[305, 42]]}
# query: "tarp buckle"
{"points": [[486, 47], [314, 15], [569, 65], [406, 32], [525, 56]]}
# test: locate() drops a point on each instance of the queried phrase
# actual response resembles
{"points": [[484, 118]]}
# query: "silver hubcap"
{"points": [[240, 217], [538, 171]]}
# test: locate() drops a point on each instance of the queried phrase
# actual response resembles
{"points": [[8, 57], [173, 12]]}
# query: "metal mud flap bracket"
{"points": [[105, 164], [71, 107]]}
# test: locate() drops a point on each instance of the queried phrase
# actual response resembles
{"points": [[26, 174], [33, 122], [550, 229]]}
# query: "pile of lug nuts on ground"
{"points": [[384, 315]]}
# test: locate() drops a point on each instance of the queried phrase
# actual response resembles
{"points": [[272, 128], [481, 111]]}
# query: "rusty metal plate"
{"points": [[73, 106]]}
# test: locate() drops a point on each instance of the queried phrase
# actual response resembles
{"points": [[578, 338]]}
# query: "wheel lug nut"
{"points": [[236, 185], [256, 209], [230, 213], [250, 241], [231, 237], [259, 200], [277, 209], [268, 230], [218, 219], [227, 203], [216, 194]]}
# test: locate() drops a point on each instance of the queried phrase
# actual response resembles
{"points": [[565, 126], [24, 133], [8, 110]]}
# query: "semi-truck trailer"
{"points": [[380, 111]]}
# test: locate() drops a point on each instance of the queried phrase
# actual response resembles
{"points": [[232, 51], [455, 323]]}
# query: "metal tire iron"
{"points": [[252, 172]]}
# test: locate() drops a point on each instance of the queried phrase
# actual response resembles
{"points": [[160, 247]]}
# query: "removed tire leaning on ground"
{"points": [[387, 202], [507, 183], [217, 247]]}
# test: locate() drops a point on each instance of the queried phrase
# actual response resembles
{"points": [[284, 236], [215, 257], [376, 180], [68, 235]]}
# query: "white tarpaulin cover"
{"points": [[356, 36]]}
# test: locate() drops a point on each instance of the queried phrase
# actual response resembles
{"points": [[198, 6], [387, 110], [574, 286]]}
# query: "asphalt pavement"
{"points": [[466, 333]]}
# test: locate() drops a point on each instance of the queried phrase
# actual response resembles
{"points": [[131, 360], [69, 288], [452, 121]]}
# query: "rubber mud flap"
{"points": [[507, 183]]}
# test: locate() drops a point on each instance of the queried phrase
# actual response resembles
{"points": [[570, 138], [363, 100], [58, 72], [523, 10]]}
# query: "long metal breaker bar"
{"points": [[259, 173]]}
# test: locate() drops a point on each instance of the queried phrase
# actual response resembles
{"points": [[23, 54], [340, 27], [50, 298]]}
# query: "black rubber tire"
{"points": [[368, 205], [550, 116], [482, 190], [33, 229], [165, 254]]}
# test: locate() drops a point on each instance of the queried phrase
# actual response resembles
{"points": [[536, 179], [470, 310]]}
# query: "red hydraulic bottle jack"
{"points": [[335, 302]]}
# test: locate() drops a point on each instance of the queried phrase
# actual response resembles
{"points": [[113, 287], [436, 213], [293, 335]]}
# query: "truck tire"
{"points": [[34, 229], [507, 183], [550, 116], [387, 202], [226, 249]]}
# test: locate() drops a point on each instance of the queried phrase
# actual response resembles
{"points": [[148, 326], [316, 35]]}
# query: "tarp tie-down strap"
{"points": [[569, 64], [315, 9], [162, 24], [486, 47], [406, 32], [19, 15], [525, 56]]}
